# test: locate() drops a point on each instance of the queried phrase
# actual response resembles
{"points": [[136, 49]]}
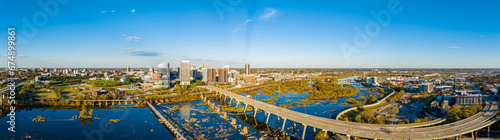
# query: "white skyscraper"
{"points": [[247, 69], [204, 72], [185, 73]]}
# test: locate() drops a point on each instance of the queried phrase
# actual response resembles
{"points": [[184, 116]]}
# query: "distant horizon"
{"points": [[242, 68]]}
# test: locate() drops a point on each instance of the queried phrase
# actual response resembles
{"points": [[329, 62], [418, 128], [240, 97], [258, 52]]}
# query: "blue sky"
{"points": [[264, 33]]}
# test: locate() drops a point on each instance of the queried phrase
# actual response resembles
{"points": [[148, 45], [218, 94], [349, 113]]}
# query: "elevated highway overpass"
{"points": [[474, 123]]}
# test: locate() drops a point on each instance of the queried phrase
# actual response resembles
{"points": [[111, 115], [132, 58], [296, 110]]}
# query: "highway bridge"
{"points": [[349, 80], [411, 125], [481, 120]]}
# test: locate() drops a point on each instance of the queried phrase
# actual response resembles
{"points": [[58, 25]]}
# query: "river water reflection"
{"points": [[195, 119], [135, 123]]}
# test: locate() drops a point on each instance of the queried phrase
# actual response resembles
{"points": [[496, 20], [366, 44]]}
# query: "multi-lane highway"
{"points": [[468, 125]]}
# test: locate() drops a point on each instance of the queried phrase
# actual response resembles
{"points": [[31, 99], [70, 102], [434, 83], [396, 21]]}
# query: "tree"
{"points": [[440, 93], [321, 136], [361, 108], [405, 121], [379, 120], [394, 110], [358, 118]]}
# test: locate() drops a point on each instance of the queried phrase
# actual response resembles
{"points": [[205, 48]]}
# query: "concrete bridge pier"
{"points": [[230, 100], [255, 111], [267, 118], [246, 105], [348, 137], [237, 104], [488, 131], [304, 132], [475, 135], [283, 126], [327, 132]]}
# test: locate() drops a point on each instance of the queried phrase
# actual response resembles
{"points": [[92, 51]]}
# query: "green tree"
{"points": [[321, 136], [394, 110], [379, 120], [358, 118]]}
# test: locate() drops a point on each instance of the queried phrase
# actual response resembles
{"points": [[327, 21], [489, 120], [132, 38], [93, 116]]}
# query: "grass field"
{"points": [[43, 93], [70, 89], [104, 81]]}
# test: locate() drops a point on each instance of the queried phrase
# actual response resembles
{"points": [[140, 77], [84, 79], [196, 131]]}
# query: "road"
{"points": [[5, 89]]}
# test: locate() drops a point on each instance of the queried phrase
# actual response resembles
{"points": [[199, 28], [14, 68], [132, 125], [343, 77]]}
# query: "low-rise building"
{"points": [[426, 88], [469, 99]]}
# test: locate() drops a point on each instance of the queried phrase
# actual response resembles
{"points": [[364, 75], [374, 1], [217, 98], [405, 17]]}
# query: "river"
{"points": [[194, 119]]}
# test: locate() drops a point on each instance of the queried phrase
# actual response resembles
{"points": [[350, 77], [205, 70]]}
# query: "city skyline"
{"points": [[266, 34]]}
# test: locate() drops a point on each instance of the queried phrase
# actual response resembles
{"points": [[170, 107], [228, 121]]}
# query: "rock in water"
{"points": [[233, 121]]}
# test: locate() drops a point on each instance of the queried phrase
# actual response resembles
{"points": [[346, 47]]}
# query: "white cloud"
{"points": [[269, 13], [246, 22], [112, 11], [139, 52], [3, 55], [242, 26], [266, 16], [17, 56], [453, 47], [133, 38], [133, 10], [103, 12], [482, 36], [132, 51]]}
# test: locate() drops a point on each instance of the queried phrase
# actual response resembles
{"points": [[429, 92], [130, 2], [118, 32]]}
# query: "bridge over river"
{"points": [[481, 120]]}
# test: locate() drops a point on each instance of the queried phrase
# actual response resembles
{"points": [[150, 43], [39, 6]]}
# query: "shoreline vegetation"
{"points": [[72, 104], [319, 88], [366, 114]]}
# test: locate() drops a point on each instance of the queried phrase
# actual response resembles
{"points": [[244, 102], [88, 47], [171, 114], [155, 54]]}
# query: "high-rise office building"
{"points": [[185, 72], [195, 74], [128, 68], [205, 66], [223, 75], [211, 74], [247, 69], [164, 69], [204, 72]]}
